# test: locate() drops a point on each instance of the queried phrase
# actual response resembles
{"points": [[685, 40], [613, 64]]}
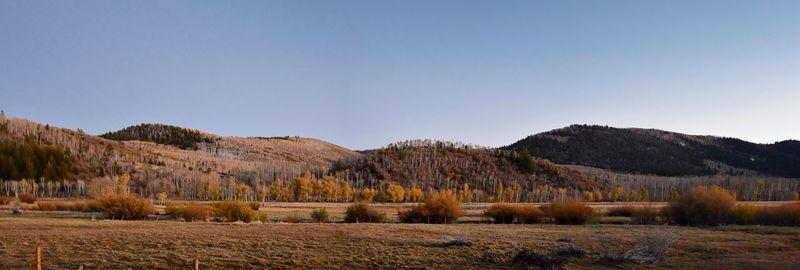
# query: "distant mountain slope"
{"points": [[444, 165], [650, 151]]}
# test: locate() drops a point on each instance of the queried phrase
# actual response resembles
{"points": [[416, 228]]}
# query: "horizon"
{"points": [[365, 74], [408, 139]]}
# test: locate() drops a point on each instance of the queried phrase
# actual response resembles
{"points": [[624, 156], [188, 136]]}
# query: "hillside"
{"points": [[91, 165], [657, 152], [445, 165]]}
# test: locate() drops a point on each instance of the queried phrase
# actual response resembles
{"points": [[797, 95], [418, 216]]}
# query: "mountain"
{"points": [[658, 152]]}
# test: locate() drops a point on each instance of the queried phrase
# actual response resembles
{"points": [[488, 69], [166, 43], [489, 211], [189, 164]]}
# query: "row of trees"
{"points": [[309, 188]]}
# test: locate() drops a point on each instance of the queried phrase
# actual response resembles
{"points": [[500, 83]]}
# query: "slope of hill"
{"points": [[650, 151], [444, 165], [92, 164]]}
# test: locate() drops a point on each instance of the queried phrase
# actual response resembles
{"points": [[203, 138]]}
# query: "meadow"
{"points": [[73, 239]]}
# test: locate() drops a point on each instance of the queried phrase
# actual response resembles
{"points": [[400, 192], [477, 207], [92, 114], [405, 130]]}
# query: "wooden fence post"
{"points": [[196, 264], [38, 258]]}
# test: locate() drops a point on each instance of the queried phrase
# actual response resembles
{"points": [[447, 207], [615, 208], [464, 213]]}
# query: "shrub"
{"points": [[362, 212], [232, 211], [320, 215], [46, 206], [255, 205], [507, 213], [571, 212], [529, 215], [62, 206], [189, 212], [441, 207], [4, 200], [27, 198], [645, 215], [77, 206], [784, 215], [292, 219], [703, 206], [621, 211], [93, 206], [744, 214], [502, 213], [126, 207]]}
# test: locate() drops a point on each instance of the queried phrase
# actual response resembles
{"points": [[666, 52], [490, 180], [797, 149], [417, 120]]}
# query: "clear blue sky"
{"points": [[366, 73]]}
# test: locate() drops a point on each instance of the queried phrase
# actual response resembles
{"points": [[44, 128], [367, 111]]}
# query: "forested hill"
{"points": [[446, 165], [182, 138], [657, 152]]}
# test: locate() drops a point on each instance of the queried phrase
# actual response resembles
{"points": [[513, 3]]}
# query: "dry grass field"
{"points": [[70, 240]]}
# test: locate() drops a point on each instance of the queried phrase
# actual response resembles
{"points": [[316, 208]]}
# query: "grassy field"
{"points": [[71, 240]]}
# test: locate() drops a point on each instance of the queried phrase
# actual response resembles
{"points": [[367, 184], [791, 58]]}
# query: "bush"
{"points": [[621, 211], [645, 215], [4, 200], [46, 206], [189, 212], [744, 214], [784, 215], [292, 219], [529, 215], [77, 206], [320, 215], [231, 211], [255, 205], [93, 206], [571, 212], [27, 198], [441, 207], [502, 213], [703, 206], [63, 206], [126, 207], [507, 213], [362, 212]]}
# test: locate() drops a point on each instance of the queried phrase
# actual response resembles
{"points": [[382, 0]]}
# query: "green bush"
{"points": [[320, 215], [441, 207], [232, 211], [126, 207], [571, 212], [362, 212], [703, 206]]}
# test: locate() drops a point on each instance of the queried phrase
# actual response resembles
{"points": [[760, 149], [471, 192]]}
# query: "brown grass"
{"points": [[70, 240]]}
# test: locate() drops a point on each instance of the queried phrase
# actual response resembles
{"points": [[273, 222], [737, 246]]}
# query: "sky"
{"points": [[363, 74]]}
